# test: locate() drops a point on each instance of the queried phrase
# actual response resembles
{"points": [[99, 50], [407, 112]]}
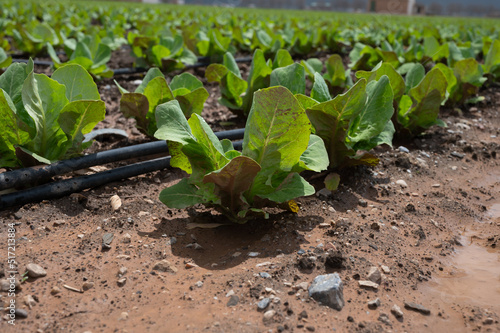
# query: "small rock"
{"points": [[35, 270], [436, 185], [263, 304], [324, 192], [123, 316], [302, 285], [303, 314], [253, 254], [55, 291], [374, 275], [363, 203], [375, 226], [199, 284], [5, 284], [329, 290], [402, 183], [230, 293], [403, 149], [171, 241], [385, 269], [488, 321], [233, 301], [87, 285], [374, 303], [265, 275], [21, 313], [121, 282], [396, 311], [197, 246], [126, 238], [123, 256], [310, 328], [368, 284], [29, 301], [190, 265], [236, 254], [164, 266], [384, 319], [269, 315], [107, 238], [417, 307], [122, 271]]}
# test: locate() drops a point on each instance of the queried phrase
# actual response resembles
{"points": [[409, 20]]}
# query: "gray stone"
{"points": [[374, 275], [403, 149], [402, 183], [417, 307], [488, 321], [21, 313], [263, 304], [107, 238], [324, 192], [265, 275], [35, 270], [329, 290], [374, 303], [384, 319], [233, 301], [396, 311]]}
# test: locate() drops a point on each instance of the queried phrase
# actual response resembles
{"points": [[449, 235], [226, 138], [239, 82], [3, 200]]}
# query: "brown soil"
{"points": [[438, 238]]}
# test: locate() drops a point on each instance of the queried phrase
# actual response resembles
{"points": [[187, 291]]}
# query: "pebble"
{"points": [[107, 238], [197, 246], [230, 293], [126, 238], [87, 285], [171, 241], [384, 319], [302, 285], [375, 226], [396, 311], [269, 314], [123, 256], [436, 185], [263, 304], [253, 254], [375, 275], [368, 284], [199, 284], [385, 269], [55, 291], [324, 192], [190, 265], [123, 316], [121, 282], [164, 266], [403, 149], [29, 301], [233, 301], [5, 284], [374, 303], [488, 321], [35, 270], [417, 307], [265, 275], [402, 183], [122, 271], [363, 203], [236, 254], [21, 313], [328, 289]]}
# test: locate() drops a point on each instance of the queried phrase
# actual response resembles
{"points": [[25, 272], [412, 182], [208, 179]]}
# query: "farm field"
{"points": [[392, 122]]}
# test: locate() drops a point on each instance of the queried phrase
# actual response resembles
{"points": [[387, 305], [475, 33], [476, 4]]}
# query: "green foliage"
{"points": [[45, 118], [154, 90], [276, 147], [492, 62], [358, 120]]}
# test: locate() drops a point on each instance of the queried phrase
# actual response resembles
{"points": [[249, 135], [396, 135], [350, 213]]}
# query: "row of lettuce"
{"points": [[335, 125], [170, 37]]}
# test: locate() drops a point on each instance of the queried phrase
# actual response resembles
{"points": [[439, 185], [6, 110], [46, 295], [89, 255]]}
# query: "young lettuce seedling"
{"points": [[277, 146]]}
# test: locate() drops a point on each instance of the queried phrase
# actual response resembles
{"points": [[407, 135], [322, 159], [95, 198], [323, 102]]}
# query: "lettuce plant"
{"points": [[154, 90], [353, 123], [45, 119], [491, 65], [89, 53], [419, 109], [277, 146]]}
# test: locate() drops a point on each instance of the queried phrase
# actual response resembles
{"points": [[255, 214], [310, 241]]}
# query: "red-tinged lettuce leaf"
{"points": [[331, 121], [135, 105], [233, 180]]}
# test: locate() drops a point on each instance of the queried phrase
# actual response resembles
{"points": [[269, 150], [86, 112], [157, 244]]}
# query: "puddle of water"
{"points": [[475, 279]]}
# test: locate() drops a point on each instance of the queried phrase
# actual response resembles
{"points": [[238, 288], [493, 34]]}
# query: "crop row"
{"points": [[289, 129], [170, 37]]}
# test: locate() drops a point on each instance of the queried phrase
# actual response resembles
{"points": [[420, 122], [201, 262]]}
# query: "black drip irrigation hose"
{"points": [[69, 186], [40, 174]]}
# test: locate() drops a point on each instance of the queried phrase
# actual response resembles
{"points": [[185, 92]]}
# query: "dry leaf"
{"points": [[116, 202]]}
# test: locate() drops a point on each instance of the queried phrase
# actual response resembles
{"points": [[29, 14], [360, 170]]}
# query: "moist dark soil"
{"points": [[411, 218]]}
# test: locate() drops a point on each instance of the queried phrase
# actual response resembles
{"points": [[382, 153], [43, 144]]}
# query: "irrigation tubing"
{"points": [[40, 174], [69, 186]]}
